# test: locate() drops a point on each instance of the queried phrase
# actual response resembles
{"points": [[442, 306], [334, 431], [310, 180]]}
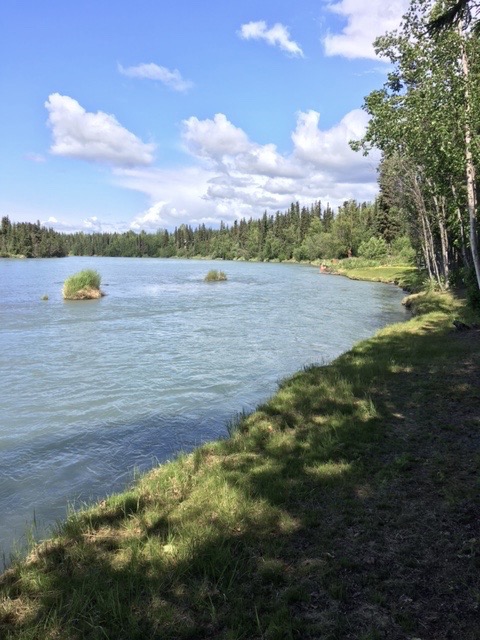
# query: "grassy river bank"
{"points": [[345, 507]]}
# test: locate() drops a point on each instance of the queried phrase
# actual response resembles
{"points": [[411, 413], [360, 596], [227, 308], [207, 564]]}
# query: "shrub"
{"points": [[84, 285], [402, 248], [215, 276], [373, 249]]}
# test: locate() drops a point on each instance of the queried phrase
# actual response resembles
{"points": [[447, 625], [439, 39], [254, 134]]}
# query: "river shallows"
{"points": [[92, 390]]}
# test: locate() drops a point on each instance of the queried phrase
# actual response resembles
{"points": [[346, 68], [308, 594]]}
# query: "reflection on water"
{"points": [[92, 390]]}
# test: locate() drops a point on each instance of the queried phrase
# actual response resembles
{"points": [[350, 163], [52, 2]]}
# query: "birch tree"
{"points": [[420, 115], [463, 16]]}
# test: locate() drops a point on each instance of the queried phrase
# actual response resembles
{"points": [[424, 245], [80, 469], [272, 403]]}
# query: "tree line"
{"points": [[372, 230], [31, 240]]}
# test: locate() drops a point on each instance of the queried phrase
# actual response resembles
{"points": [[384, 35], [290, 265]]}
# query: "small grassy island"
{"points": [[215, 276], [84, 285]]}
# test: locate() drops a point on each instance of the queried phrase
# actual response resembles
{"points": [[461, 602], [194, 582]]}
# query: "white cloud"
{"points": [[152, 218], [95, 137], [365, 22], [176, 196], [228, 148], [87, 225], [214, 139], [92, 224], [229, 176], [266, 160], [276, 36], [151, 71], [329, 151], [233, 177]]}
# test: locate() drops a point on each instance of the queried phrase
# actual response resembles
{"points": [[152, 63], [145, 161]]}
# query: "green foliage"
{"points": [[473, 292], [402, 249], [30, 240], [215, 276], [300, 233], [430, 302], [81, 285], [353, 264], [373, 249], [425, 121], [404, 275]]}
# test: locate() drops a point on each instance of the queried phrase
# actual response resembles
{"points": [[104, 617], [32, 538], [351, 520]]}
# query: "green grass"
{"points": [[215, 276], [403, 275], [345, 507], [82, 285]]}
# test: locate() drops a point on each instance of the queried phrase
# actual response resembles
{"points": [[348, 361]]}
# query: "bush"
{"points": [[373, 249], [215, 276], [402, 249], [84, 285]]}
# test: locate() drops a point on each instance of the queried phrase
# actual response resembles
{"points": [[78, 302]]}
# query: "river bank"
{"points": [[405, 276], [344, 507]]}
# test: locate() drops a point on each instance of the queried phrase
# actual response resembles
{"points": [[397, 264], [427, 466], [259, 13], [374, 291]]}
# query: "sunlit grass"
{"points": [[404, 275]]}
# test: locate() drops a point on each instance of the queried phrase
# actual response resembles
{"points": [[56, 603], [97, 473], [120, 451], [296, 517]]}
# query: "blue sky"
{"points": [[145, 115]]}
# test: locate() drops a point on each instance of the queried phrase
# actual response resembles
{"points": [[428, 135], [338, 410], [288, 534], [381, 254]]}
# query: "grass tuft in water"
{"points": [[84, 285], [215, 276]]}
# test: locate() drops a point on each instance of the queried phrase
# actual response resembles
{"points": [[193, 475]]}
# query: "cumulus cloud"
{"points": [[151, 219], [233, 177], [214, 139], [276, 36], [329, 150], [151, 71], [176, 196], [92, 224], [230, 176], [228, 147], [95, 137], [365, 22]]}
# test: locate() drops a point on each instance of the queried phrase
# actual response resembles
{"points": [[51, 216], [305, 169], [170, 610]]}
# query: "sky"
{"points": [[150, 114]]}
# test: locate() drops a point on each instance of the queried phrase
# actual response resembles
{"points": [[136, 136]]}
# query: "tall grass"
{"points": [[215, 276], [82, 285]]}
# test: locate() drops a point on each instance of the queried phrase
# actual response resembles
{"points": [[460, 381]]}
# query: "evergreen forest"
{"points": [[301, 233]]}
